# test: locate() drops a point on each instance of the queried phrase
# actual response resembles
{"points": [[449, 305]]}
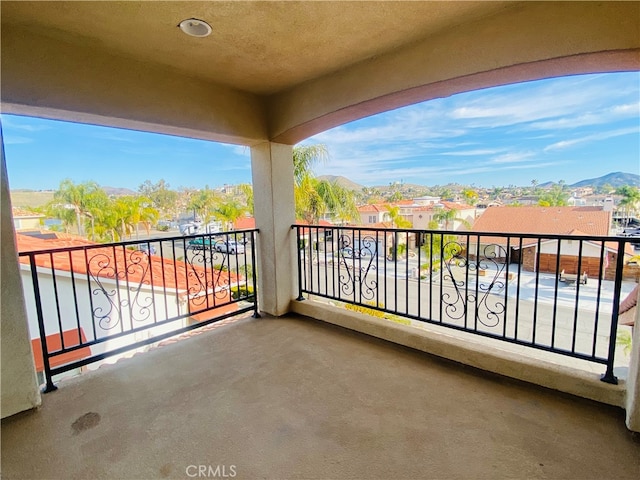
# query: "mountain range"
{"points": [[615, 179]]}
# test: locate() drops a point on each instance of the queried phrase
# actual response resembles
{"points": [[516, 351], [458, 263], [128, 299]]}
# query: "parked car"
{"points": [[146, 248], [230, 246], [199, 243]]}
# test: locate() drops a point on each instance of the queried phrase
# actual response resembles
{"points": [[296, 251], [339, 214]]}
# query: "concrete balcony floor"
{"points": [[296, 398]]}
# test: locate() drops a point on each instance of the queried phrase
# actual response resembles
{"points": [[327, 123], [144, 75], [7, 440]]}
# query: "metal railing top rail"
{"points": [[134, 243], [544, 236]]}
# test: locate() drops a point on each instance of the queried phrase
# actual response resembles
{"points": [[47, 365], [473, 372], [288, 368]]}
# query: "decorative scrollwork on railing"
{"points": [[130, 270], [489, 309], [207, 272], [355, 263]]}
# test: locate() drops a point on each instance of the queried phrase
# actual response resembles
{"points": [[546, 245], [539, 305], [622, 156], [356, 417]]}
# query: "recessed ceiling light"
{"points": [[195, 27]]}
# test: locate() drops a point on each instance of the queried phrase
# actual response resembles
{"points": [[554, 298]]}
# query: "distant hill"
{"points": [[342, 181], [615, 179], [118, 192], [30, 198]]}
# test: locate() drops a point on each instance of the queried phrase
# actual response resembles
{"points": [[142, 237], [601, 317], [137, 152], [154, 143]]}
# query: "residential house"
{"points": [[419, 212], [24, 219], [133, 296], [546, 255]]}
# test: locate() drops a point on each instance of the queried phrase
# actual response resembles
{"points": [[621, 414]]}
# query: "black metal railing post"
{"points": [[298, 253], [608, 376], [49, 387], [254, 274]]}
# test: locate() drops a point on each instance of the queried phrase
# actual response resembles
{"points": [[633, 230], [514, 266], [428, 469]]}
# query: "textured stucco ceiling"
{"points": [[283, 71], [259, 47]]}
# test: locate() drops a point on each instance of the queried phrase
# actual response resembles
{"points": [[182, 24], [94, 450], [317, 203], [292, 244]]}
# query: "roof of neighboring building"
{"points": [[18, 212], [372, 208], [71, 338], [456, 205], [108, 261], [384, 207], [553, 220], [245, 223]]}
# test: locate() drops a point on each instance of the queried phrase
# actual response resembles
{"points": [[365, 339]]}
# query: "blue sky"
{"points": [[569, 128]]}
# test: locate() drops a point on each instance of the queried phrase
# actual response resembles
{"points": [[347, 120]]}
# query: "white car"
{"points": [[230, 246]]}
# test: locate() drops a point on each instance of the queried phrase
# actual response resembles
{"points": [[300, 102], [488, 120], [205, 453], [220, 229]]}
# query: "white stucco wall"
{"points": [[69, 320]]}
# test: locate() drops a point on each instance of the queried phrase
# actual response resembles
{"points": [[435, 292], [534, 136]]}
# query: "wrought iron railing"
{"points": [[557, 293], [91, 302]]}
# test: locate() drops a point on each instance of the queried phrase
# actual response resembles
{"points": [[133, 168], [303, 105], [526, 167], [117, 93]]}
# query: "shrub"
{"points": [[367, 311], [241, 292]]}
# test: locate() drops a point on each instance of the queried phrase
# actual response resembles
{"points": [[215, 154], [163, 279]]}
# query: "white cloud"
{"points": [[513, 157], [480, 151], [591, 138]]}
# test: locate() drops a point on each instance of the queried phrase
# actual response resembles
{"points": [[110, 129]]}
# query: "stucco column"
{"points": [[633, 381], [274, 210], [19, 385]]}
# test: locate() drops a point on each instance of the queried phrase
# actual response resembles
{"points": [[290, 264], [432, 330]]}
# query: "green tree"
{"points": [[79, 198], [203, 203], [305, 157], [630, 199], [554, 197], [64, 213], [438, 247], [229, 212], [470, 196], [246, 191], [496, 192], [161, 196], [534, 186], [315, 198], [397, 221]]}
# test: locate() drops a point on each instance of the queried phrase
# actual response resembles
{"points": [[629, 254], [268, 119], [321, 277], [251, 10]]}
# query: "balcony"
{"points": [[293, 397]]}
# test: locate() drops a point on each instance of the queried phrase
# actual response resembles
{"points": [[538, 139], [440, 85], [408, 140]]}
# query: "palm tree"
{"points": [[630, 199], [397, 221], [203, 203], [229, 212], [438, 247], [445, 216], [314, 198], [77, 197], [305, 157], [247, 192], [139, 210]]}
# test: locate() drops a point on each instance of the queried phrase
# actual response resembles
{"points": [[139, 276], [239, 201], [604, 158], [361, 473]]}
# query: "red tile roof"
{"points": [[541, 220], [244, 223], [455, 205], [105, 261], [23, 212], [54, 344], [372, 208]]}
